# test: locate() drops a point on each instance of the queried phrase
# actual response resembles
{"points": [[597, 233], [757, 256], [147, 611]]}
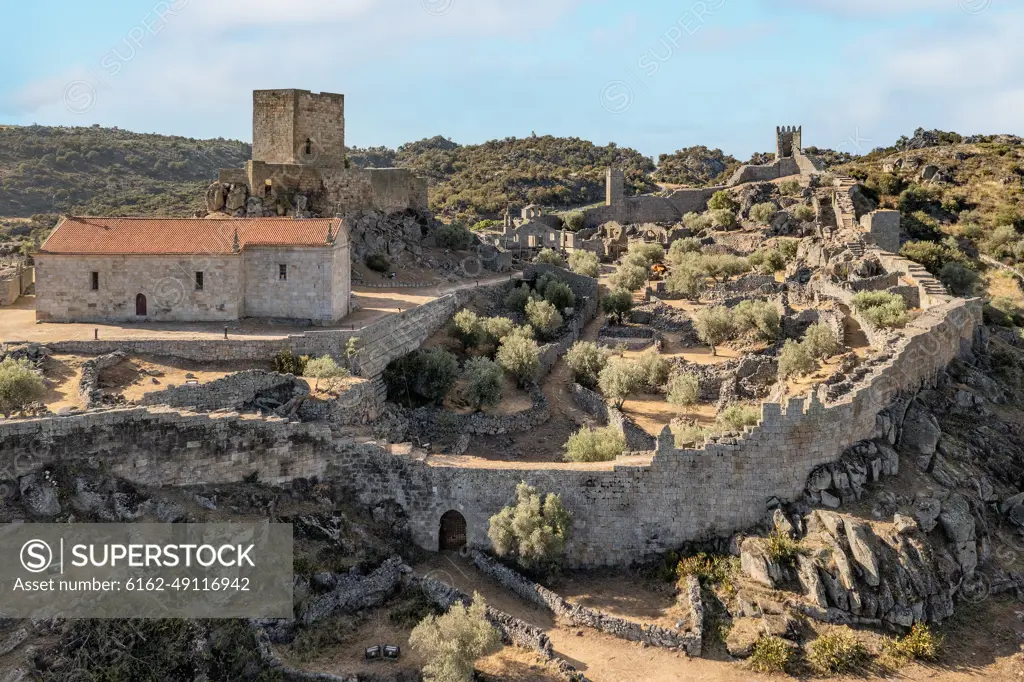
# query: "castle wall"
{"points": [[883, 228], [283, 120], [396, 189], [64, 288], [305, 293], [273, 126]]}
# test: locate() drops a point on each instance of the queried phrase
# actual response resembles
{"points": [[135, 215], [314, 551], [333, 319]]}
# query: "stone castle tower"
{"points": [[298, 127], [615, 186], [788, 140]]}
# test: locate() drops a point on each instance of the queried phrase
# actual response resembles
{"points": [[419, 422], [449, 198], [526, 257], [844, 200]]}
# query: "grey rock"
{"points": [[904, 524], [958, 524], [167, 512], [206, 502], [236, 198], [39, 496], [859, 536], [920, 430], [830, 500], [926, 513], [807, 574]]}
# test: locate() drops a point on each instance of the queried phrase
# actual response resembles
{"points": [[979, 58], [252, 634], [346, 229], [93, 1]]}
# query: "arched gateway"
{"points": [[452, 534]]}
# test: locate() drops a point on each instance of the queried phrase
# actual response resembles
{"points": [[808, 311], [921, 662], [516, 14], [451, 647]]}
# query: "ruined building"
{"points": [[299, 165]]}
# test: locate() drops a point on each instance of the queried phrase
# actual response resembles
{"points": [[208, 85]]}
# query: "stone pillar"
{"points": [[615, 187]]}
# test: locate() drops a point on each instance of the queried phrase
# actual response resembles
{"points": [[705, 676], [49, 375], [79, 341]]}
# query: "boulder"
{"points": [[958, 525], [39, 496], [236, 198], [926, 513], [859, 536], [746, 631], [754, 564], [1013, 508], [920, 430], [215, 195], [807, 574], [904, 524]]}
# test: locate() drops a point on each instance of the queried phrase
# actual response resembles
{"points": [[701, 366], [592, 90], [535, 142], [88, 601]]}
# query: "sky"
{"points": [[655, 75]]}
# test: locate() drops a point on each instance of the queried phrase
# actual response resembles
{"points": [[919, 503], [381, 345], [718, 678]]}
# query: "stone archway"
{"points": [[452, 533], [140, 305]]}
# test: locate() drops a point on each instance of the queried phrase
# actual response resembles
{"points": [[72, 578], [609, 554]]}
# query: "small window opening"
{"points": [[199, 281], [95, 281], [282, 272]]}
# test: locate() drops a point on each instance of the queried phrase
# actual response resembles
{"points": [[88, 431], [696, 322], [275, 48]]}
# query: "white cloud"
{"points": [[875, 7]]}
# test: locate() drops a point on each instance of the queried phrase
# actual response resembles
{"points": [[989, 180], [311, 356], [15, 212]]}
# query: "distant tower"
{"points": [[298, 127], [788, 140], [615, 187]]}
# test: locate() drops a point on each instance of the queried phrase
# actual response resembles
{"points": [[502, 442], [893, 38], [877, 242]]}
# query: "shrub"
{"points": [[378, 262], [453, 642], [881, 309], [436, 373], [585, 263], [686, 280], [721, 201], [654, 368], [710, 569], [574, 221], [789, 187], [723, 218], [519, 356], [469, 328], [931, 255], [788, 248], [767, 261], [629, 277], [820, 341], [771, 655], [534, 530], [795, 360], [543, 317], [620, 379], [324, 368], [763, 213], [723, 265], [483, 380], [644, 255], [683, 389], [19, 385], [454, 237], [287, 362], [483, 225], [586, 360], [836, 651], [1000, 241], [737, 417], [759, 317], [802, 213], [595, 445], [550, 257], [695, 222], [714, 325], [782, 549], [617, 304], [560, 295], [919, 644], [497, 328], [518, 298], [680, 247]]}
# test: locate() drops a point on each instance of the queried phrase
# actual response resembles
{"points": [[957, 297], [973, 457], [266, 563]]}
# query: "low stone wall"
{"points": [[431, 423], [234, 392], [88, 385], [361, 403], [583, 287], [651, 635], [594, 404], [551, 352]]}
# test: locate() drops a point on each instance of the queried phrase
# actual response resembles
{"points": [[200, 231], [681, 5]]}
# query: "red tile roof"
{"points": [[176, 236]]}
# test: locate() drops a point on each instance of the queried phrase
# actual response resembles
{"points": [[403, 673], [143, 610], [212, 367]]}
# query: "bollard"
{"points": [[225, 333], [96, 333]]}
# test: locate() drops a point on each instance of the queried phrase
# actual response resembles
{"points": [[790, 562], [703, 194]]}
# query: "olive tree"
{"points": [[483, 379], [19, 385], [620, 379], [519, 356], [714, 325], [452, 642], [533, 531], [585, 263], [595, 445]]}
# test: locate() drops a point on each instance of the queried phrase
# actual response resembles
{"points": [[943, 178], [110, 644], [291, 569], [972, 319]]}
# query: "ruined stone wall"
{"points": [[273, 126], [64, 288], [361, 403], [397, 189], [692, 200], [14, 282], [780, 169], [231, 392], [162, 446]]}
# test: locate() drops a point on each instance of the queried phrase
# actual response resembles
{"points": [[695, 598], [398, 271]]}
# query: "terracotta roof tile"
{"points": [[176, 236]]}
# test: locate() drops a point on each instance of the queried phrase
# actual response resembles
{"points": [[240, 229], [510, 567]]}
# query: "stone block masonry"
{"points": [[234, 391]]}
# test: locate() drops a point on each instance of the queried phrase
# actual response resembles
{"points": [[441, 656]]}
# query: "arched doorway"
{"points": [[452, 535], [140, 305]]}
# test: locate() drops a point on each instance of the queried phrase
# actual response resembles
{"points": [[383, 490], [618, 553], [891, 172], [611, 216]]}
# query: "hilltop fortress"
{"points": [[300, 167]]}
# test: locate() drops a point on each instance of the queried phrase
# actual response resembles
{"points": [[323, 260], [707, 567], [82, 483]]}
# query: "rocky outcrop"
{"points": [[350, 593], [88, 385]]}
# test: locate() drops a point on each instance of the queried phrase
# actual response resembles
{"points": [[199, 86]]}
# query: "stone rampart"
{"points": [[233, 392], [360, 403]]}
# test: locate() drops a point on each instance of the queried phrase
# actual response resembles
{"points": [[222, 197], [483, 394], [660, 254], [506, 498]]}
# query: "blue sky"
{"points": [[655, 75]]}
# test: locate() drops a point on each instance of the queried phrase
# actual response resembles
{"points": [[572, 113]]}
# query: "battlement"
{"points": [[298, 127], [788, 141]]}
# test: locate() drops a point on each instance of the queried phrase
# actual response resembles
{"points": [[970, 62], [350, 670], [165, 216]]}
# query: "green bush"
{"points": [[710, 569], [737, 417], [771, 655], [550, 257], [437, 372], [788, 248], [629, 277], [723, 218], [324, 368], [681, 247], [654, 368], [454, 237], [518, 298], [790, 188], [574, 221], [696, 222], [644, 255], [919, 644], [687, 279], [763, 213], [802, 212], [722, 266], [484, 225], [683, 389], [795, 360], [714, 325], [758, 317], [767, 261], [497, 328], [595, 445], [483, 380], [836, 651], [820, 341], [882, 309], [520, 356], [469, 328], [378, 262], [543, 317], [585, 263], [286, 362], [586, 360], [620, 379], [533, 531], [722, 201], [559, 294], [782, 549], [20, 385], [617, 304], [453, 642]]}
